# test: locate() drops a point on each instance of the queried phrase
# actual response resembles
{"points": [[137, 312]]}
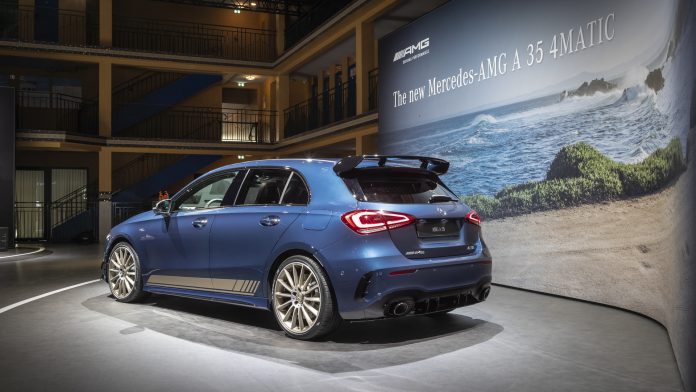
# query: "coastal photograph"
{"points": [[579, 186]]}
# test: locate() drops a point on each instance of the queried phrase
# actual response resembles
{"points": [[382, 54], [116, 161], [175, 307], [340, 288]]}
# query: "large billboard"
{"points": [[567, 126]]}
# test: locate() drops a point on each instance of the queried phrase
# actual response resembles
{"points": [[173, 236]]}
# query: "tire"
{"points": [[124, 274], [302, 303]]}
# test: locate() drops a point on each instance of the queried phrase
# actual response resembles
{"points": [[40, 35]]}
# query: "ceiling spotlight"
{"points": [[237, 11], [253, 4], [240, 156], [240, 84], [250, 77]]}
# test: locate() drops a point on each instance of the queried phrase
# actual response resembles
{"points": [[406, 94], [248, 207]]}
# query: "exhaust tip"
{"points": [[399, 307], [483, 295]]}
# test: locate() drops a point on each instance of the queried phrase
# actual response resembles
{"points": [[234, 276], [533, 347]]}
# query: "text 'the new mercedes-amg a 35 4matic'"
{"points": [[315, 241]]}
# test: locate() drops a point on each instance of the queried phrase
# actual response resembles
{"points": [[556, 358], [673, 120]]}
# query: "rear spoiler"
{"points": [[435, 165]]}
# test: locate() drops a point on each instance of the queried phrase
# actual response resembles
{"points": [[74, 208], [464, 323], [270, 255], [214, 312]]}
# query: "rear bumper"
{"points": [[365, 284], [431, 289]]}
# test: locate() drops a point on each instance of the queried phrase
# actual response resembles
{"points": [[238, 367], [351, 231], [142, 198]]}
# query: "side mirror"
{"points": [[162, 207]]}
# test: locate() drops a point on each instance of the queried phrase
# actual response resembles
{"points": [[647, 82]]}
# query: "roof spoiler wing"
{"points": [[435, 165]]}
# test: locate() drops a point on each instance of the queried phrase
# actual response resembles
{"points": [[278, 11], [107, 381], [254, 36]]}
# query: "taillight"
{"points": [[473, 217], [373, 221]]}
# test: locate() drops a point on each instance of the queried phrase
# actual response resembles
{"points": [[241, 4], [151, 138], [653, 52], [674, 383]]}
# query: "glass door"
{"points": [[30, 205]]}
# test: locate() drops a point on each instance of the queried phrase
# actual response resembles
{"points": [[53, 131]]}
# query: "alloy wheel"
{"points": [[122, 272], [297, 298]]}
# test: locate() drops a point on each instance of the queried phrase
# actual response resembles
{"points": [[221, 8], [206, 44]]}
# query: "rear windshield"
{"points": [[391, 186]]}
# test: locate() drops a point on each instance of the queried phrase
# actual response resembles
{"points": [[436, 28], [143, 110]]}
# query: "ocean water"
{"points": [[516, 143]]}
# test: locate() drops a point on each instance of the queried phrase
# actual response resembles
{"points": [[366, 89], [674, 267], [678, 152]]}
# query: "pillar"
{"points": [[332, 76], [364, 62], [344, 69], [105, 99], [280, 34], [105, 23], [104, 198], [283, 102], [359, 145]]}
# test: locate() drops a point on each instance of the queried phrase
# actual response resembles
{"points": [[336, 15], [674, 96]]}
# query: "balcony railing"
{"points": [[373, 92], [44, 110], [208, 124], [326, 108], [193, 39], [48, 25]]}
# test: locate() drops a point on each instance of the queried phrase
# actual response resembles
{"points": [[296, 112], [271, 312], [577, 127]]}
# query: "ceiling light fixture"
{"points": [[249, 77], [240, 84]]}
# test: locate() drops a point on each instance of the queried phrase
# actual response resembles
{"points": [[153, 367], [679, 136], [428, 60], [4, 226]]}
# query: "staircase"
{"points": [[146, 105], [140, 107], [144, 177], [73, 217]]}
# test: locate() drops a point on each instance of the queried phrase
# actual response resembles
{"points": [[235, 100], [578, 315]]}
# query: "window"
{"points": [[263, 186], [391, 186], [209, 194], [296, 192]]}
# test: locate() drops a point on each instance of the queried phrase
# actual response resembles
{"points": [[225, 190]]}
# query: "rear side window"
{"points": [[296, 192], [391, 186], [263, 186]]}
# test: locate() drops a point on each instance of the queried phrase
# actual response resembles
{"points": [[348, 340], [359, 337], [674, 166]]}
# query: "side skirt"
{"points": [[234, 299]]}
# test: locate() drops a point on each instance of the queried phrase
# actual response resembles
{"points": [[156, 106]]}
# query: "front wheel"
{"points": [[302, 301], [124, 276]]}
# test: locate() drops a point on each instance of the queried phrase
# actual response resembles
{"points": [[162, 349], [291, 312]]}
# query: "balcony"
{"points": [[42, 110], [207, 124], [48, 25], [81, 28], [193, 39], [331, 106]]}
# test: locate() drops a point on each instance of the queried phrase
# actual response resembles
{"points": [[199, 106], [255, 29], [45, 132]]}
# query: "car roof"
{"points": [[300, 164]]}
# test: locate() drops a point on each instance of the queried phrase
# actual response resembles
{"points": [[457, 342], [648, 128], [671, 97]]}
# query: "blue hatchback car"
{"points": [[315, 241]]}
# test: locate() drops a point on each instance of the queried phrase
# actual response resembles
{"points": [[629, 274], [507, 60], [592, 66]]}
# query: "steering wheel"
{"points": [[207, 205]]}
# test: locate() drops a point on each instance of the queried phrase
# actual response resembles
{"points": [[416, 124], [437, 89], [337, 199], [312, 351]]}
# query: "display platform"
{"points": [[80, 339]]}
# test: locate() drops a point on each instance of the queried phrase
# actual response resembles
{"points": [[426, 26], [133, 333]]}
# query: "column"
{"points": [[344, 69], [105, 23], [359, 145], [280, 34], [105, 99], [283, 98], [364, 62], [104, 188]]}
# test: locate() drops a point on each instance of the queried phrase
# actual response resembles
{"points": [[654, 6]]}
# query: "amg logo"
{"points": [[412, 49], [415, 252]]}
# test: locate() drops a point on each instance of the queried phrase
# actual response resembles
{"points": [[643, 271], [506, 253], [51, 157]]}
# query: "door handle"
{"points": [[270, 220], [200, 223]]}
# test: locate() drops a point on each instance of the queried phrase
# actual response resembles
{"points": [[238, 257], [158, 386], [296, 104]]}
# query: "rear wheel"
{"points": [[302, 300], [124, 276]]}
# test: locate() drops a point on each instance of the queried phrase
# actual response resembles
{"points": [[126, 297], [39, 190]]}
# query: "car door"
{"points": [[181, 252], [244, 235]]}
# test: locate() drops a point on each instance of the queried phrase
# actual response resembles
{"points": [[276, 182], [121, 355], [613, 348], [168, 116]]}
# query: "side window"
{"points": [[263, 186], [209, 194], [296, 193]]}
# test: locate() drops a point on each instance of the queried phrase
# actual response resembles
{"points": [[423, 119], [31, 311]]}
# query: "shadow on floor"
{"points": [[354, 346]]}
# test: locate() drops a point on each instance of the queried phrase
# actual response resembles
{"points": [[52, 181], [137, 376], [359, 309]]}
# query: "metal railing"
{"points": [[141, 168], [142, 85], [208, 124], [326, 108], [373, 89], [27, 23], [194, 39], [44, 220], [320, 12], [44, 110]]}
